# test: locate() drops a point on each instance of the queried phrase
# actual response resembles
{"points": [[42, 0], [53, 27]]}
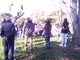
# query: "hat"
{"points": [[28, 19], [8, 18]]}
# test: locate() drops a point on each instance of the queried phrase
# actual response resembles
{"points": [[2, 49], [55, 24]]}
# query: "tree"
{"points": [[57, 16], [76, 23], [3, 15]]}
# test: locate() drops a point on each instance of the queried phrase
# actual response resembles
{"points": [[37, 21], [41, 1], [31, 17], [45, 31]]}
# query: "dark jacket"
{"points": [[8, 30], [65, 27]]}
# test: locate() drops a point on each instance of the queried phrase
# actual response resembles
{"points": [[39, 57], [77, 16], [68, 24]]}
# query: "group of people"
{"points": [[8, 33]]}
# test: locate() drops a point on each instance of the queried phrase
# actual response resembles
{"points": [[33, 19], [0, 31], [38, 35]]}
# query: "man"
{"points": [[8, 35], [28, 30]]}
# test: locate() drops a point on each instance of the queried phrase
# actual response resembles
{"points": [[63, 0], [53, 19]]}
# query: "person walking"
{"points": [[64, 31], [8, 35], [47, 33], [28, 31]]}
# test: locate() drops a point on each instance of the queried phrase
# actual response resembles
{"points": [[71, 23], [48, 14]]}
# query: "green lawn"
{"points": [[40, 52]]}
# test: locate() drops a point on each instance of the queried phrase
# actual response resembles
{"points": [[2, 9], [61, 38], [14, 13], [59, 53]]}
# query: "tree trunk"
{"points": [[76, 25]]}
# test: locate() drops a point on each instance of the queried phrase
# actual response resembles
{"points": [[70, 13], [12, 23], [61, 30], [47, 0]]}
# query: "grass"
{"points": [[40, 52]]}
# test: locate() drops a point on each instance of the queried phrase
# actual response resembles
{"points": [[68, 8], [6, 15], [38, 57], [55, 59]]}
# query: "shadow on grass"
{"points": [[0, 58], [41, 53]]}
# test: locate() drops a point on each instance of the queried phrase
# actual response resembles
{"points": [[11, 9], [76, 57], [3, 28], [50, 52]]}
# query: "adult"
{"points": [[28, 30], [64, 31], [47, 33], [8, 35]]}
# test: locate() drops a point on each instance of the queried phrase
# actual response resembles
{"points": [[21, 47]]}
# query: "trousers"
{"points": [[47, 40], [8, 49]]}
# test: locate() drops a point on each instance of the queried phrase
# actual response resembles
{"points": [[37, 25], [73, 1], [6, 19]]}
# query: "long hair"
{"points": [[65, 23], [48, 23]]}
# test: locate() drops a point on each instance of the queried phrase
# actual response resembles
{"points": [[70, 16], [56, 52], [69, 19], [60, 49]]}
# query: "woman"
{"points": [[47, 34], [64, 32]]}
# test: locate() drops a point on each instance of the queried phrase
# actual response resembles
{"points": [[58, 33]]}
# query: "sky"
{"points": [[31, 6]]}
